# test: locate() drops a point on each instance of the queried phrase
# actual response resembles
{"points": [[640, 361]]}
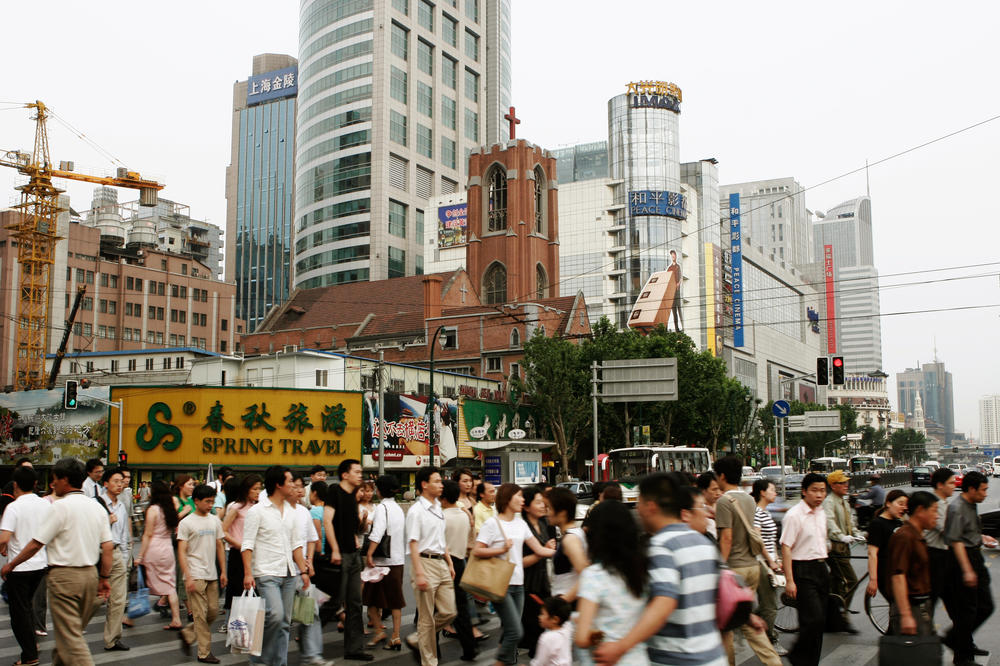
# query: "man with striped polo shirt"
{"points": [[683, 576]]}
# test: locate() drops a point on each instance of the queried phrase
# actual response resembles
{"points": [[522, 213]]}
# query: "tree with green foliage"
{"points": [[907, 445]]}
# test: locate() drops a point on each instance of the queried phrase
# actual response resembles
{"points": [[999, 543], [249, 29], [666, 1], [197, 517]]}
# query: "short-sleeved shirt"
{"points": [[879, 532], [316, 513], [684, 565], [456, 531], [22, 518], [768, 531], [202, 534], [803, 530], [618, 610], [935, 537], [74, 531], [425, 525], [908, 556], [726, 518], [481, 513], [345, 518], [518, 532], [963, 524]]}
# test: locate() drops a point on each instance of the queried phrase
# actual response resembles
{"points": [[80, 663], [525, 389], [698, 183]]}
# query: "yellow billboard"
{"points": [[259, 427]]}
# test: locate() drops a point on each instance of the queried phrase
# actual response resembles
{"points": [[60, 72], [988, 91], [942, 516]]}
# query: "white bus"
{"points": [[868, 463], [627, 466], [827, 464]]}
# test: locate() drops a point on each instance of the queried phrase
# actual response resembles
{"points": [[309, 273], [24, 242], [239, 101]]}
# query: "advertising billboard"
{"points": [[657, 202], [479, 420], [272, 85], [34, 425], [831, 303], [736, 263], [248, 426], [406, 430], [453, 222]]}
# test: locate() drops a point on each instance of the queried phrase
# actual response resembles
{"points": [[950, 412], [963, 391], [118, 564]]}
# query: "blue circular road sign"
{"points": [[780, 408]]}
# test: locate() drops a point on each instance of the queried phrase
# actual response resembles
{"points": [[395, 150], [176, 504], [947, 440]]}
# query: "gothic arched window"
{"points": [[541, 225], [541, 282], [496, 199], [495, 285], [515, 338]]}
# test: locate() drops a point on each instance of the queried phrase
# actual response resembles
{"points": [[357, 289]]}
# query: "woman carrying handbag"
{"points": [[504, 536]]}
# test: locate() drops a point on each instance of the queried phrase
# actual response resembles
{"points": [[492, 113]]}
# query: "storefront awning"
{"points": [[496, 444]]}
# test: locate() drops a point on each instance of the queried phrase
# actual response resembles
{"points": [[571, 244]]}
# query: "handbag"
{"points": [[384, 547], [488, 577], [138, 601], [776, 579], [304, 608], [756, 541], [733, 602], [909, 650]]}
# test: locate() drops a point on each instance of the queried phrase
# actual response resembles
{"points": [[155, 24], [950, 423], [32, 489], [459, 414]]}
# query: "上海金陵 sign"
{"points": [[237, 426]]}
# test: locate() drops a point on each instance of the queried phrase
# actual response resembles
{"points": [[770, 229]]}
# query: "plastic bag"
{"points": [[304, 607], [245, 630], [138, 601]]}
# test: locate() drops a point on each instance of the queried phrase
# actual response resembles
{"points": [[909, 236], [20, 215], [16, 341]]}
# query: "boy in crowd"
{"points": [[554, 644], [199, 542]]}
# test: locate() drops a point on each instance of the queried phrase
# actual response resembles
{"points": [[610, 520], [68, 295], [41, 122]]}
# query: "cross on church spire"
{"points": [[514, 120]]}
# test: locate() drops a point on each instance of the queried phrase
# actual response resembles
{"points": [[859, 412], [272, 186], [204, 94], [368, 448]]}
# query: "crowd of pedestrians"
{"points": [[622, 586]]}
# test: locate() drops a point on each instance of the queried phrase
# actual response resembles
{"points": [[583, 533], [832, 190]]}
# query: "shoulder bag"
{"points": [[756, 541], [384, 547], [488, 577]]}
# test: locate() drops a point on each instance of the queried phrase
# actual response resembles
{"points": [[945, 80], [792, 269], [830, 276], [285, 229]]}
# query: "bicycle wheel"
{"points": [[877, 610], [787, 618]]}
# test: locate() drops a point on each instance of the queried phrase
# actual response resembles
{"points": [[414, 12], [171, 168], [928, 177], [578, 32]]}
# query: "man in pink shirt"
{"points": [[803, 543]]}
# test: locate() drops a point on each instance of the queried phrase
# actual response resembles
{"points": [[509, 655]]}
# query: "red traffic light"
{"points": [[838, 362]]}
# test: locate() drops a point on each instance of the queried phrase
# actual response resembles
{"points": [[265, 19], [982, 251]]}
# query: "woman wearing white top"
{"points": [[503, 536], [387, 519]]}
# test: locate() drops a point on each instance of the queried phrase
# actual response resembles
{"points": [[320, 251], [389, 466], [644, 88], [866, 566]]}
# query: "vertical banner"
{"points": [[710, 277], [831, 305], [736, 243]]}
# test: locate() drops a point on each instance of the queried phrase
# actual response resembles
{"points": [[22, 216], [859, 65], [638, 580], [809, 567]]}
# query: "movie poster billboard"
{"points": [[406, 430], [34, 425], [453, 223]]}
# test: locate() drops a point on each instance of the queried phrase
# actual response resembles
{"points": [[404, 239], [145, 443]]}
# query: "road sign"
{"points": [[780, 409], [817, 421], [639, 380], [854, 437]]}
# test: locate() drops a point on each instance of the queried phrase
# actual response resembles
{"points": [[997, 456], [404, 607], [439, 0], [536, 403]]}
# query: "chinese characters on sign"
{"points": [[831, 306], [736, 249], [656, 202], [654, 95], [452, 224], [272, 85]]}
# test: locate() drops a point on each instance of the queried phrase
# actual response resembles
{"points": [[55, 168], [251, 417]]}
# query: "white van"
{"points": [[933, 464], [776, 472]]}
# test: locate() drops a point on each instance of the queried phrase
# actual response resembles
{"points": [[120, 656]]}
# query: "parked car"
{"points": [[959, 475], [920, 476], [775, 472], [791, 486]]}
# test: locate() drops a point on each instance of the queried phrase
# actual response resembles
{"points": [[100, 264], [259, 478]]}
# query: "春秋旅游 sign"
{"points": [[236, 426]]}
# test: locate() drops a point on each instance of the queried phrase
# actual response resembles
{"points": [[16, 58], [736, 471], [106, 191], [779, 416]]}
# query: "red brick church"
{"points": [[508, 289]]}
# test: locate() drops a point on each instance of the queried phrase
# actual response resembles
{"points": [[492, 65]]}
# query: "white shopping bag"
{"points": [[245, 630]]}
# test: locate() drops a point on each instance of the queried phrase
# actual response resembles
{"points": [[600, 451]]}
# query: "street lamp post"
{"points": [[842, 438], [430, 403]]}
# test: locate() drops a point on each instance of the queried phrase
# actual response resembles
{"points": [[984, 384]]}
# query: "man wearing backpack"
{"points": [[739, 545]]}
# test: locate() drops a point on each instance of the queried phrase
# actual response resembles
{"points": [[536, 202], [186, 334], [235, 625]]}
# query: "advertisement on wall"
{"points": [[736, 266], [479, 420], [453, 223], [174, 426], [831, 303], [34, 425], [406, 430], [527, 472]]}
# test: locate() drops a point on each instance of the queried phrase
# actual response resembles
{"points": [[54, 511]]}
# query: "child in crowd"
{"points": [[554, 643], [199, 541]]}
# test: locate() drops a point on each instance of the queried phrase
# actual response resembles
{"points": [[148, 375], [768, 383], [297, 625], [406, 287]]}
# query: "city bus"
{"points": [[827, 464], [627, 466], [868, 463]]}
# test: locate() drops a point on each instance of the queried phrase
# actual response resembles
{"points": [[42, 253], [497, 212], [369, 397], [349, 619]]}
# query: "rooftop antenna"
{"points": [[868, 182], [935, 349]]}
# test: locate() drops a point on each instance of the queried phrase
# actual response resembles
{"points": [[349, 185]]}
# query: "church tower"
{"points": [[513, 247]]}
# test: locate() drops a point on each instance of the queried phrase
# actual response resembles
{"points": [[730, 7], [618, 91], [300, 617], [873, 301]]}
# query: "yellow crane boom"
{"points": [[35, 232]]}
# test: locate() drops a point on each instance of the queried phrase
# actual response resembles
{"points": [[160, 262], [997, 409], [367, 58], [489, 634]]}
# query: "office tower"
{"points": [[934, 385], [775, 219], [260, 181], [842, 247], [394, 95], [989, 420]]}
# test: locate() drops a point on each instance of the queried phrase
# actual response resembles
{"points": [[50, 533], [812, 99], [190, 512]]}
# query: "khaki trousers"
{"points": [[757, 640], [117, 600], [204, 605], [435, 606], [72, 601]]}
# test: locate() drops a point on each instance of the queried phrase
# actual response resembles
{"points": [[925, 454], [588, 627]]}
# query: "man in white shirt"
{"points": [[431, 566], [77, 536], [272, 559], [318, 473], [95, 474], [21, 519], [121, 535]]}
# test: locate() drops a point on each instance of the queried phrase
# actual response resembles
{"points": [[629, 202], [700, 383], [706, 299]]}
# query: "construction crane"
{"points": [[35, 232]]}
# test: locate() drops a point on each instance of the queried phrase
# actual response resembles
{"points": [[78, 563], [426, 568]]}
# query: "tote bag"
{"points": [[138, 601], [488, 577]]}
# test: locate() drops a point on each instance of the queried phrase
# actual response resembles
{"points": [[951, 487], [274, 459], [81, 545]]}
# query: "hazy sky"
{"points": [[771, 89]]}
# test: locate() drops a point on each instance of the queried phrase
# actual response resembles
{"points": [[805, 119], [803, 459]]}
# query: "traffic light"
{"points": [[69, 396], [122, 459], [838, 370], [822, 371]]}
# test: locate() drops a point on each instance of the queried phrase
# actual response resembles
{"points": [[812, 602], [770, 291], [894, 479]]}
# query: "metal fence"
{"points": [[859, 480]]}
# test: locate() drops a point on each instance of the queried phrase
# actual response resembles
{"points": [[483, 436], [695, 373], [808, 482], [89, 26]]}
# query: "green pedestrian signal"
{"points": [[69, 396]]}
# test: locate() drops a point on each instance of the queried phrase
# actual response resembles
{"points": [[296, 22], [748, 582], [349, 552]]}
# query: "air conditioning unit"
{"points": [[287, 349]]}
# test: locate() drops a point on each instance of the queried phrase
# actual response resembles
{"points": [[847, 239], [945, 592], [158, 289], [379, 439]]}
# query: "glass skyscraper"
{"points": [[259, 187], [394, 95]]}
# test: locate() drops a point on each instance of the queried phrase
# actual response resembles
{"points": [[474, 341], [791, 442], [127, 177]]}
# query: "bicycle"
{"points": [[876, 608]]}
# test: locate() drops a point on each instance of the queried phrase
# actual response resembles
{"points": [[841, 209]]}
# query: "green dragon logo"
{"points": [[159, 432]]}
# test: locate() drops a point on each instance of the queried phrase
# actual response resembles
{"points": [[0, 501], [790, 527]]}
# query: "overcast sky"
{"points": [[771, 89]]}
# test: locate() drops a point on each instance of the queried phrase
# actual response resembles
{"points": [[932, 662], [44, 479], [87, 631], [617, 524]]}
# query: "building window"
{"points": [[400, 40], [540, 225], [90, 277], [397, 127], [419, 226], [131, 364], [541, 282], [471, 85], [167, 362], [515, 370], [472, 10], [515, 338], [496, 200], [472, 45], [425, 141], [449, 71], [425, 99], [495, 284], [149, 364], [321, 377], [425, 57], [447, 112], [397, 84], [180, 362], [425, 14], [401, 6], [89, 366], [397, 219], [471, 125], [494, 364], [224, 325], [397, 262], [448, 152], [449, 30]]}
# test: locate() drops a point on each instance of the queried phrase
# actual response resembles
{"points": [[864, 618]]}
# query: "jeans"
{"points": [[812, 580], [278, 593], [350, 597], [21, 588], [510, 610]]}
